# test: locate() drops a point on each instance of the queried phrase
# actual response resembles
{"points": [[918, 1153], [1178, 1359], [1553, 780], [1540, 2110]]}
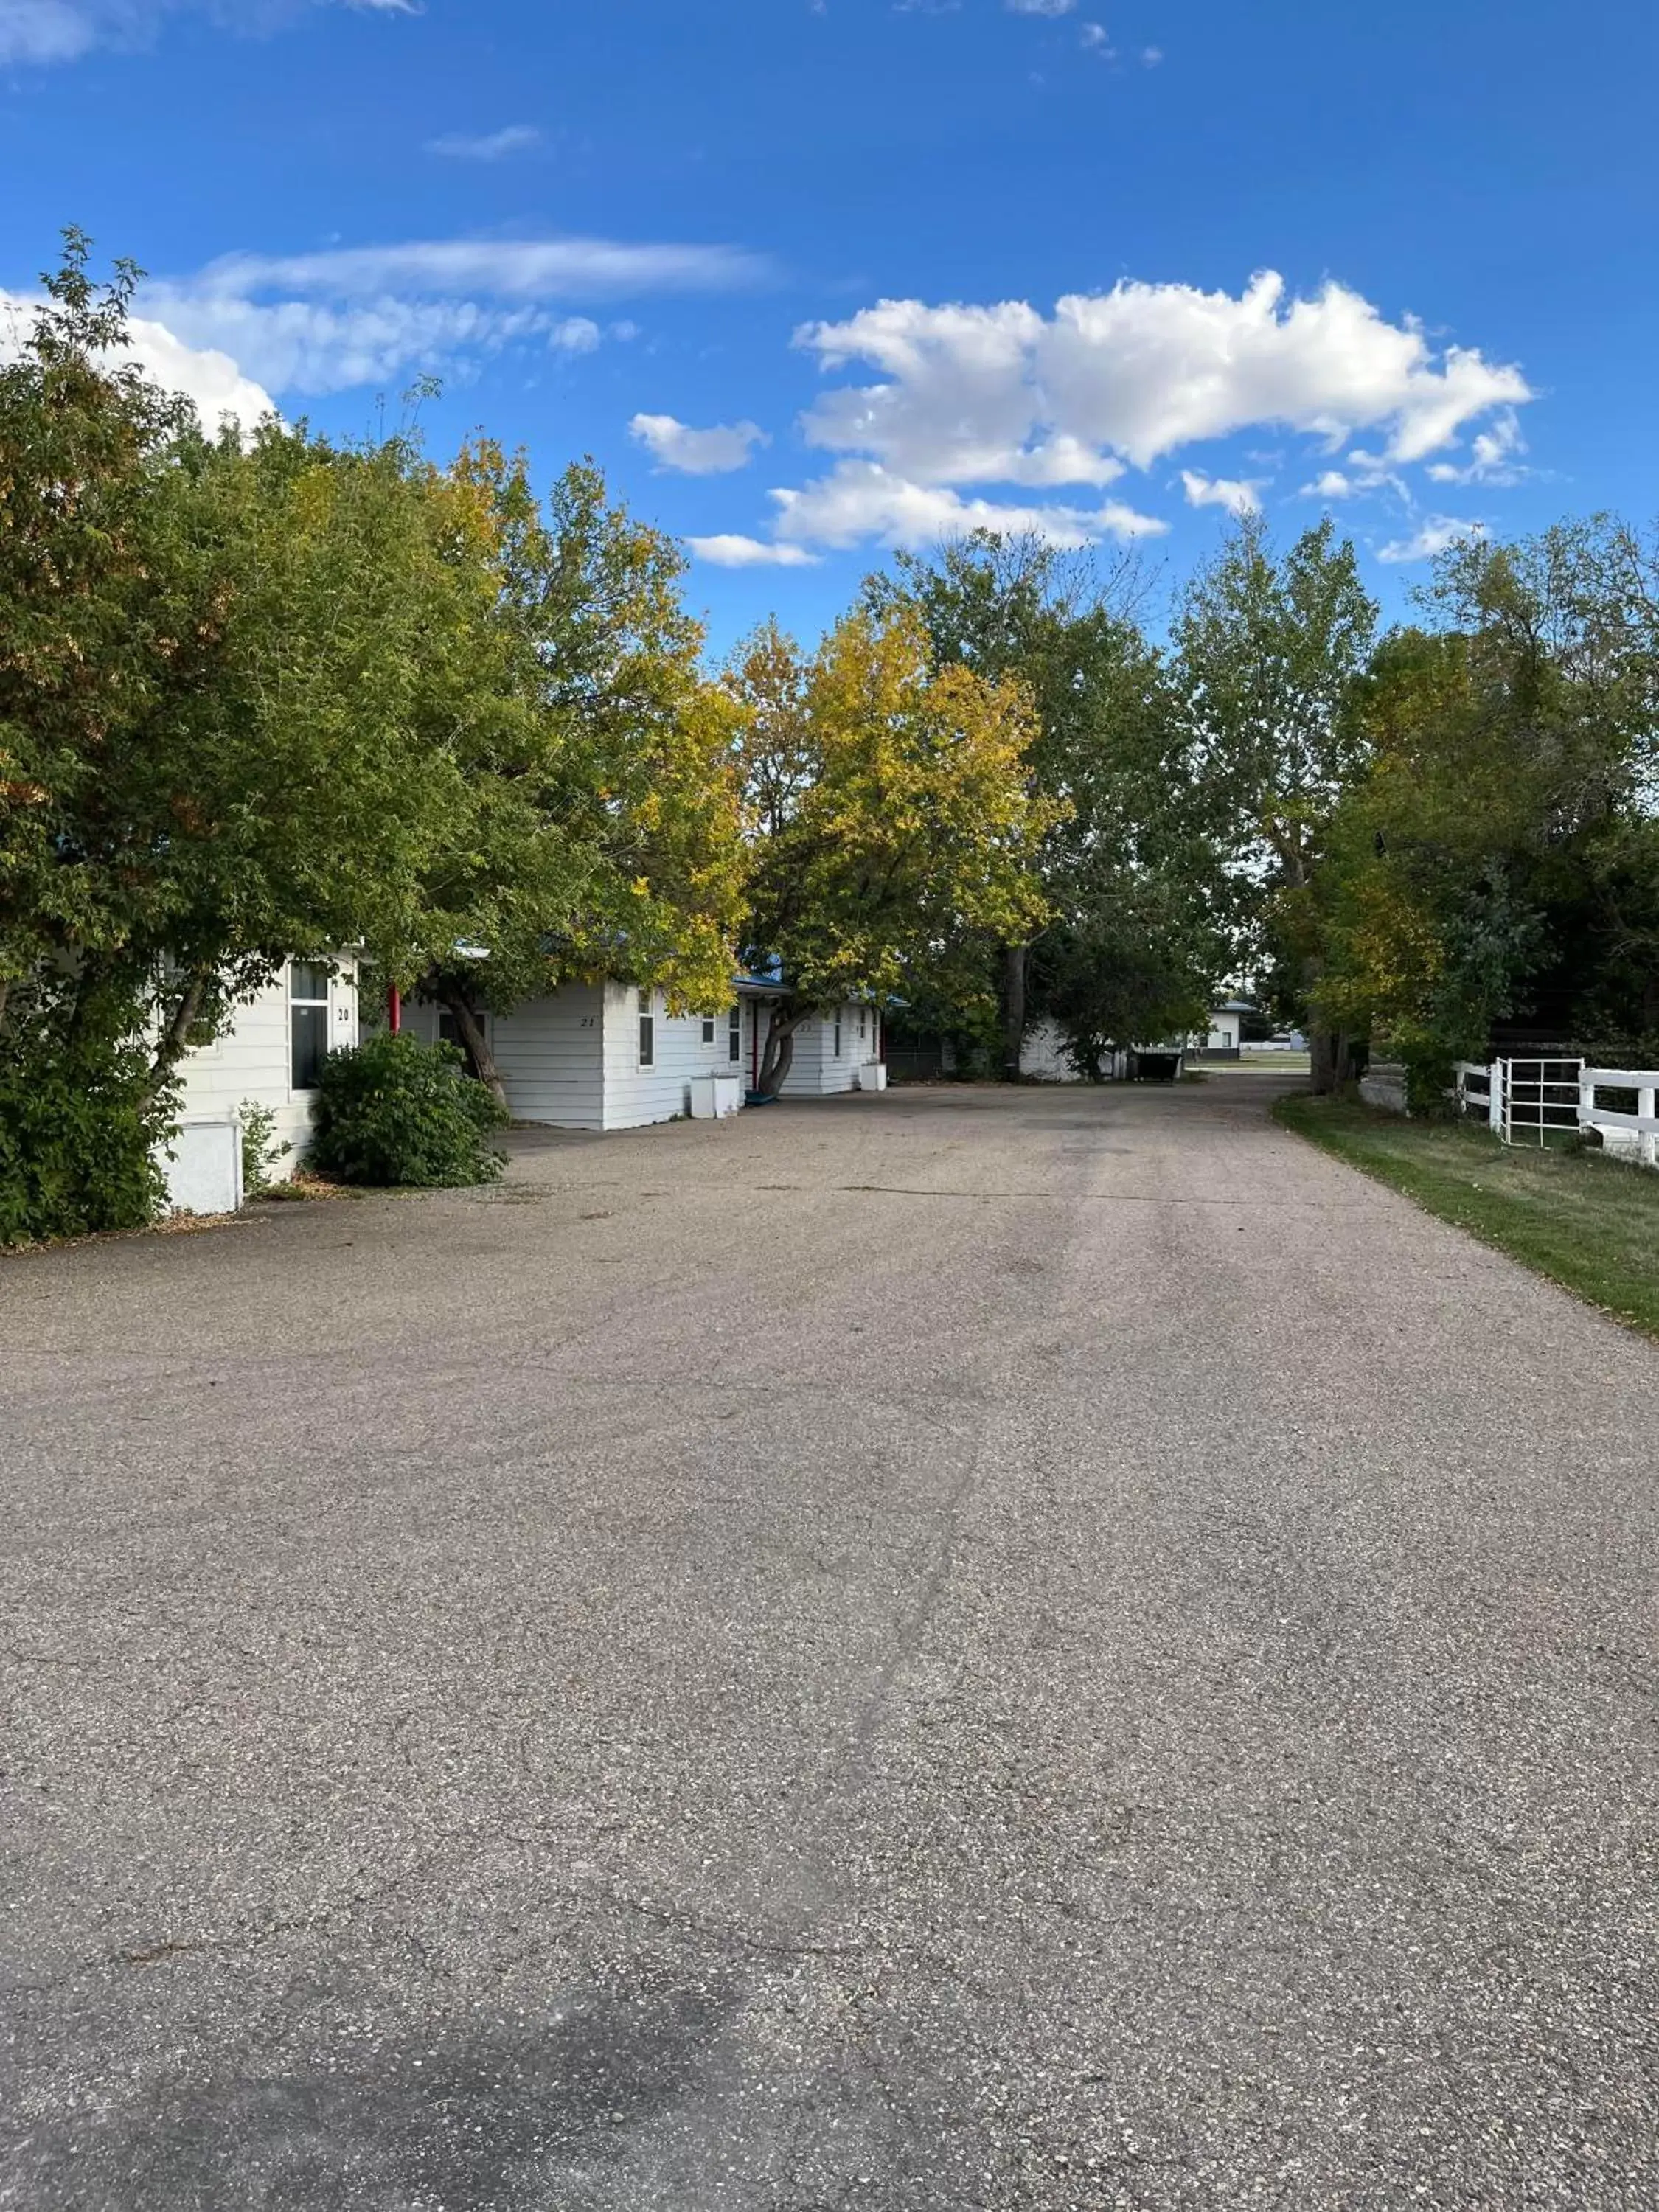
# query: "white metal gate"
{"points": [[1540, 1099]]}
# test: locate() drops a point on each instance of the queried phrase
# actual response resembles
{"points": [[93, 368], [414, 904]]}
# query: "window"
{"points": [[861, 1011], [648, 1030], [734, 1037], [308, 1022], [709, 1029], [837, 1036]]}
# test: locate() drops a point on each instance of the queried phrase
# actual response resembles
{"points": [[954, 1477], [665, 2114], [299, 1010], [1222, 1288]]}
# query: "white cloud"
{"points": [[1233, 493], [316, 323], [314, 347], [1139, 372], [517, 269], [973, 402], [41, 31], [1093, 39], [1433, 536], [491, 146], [732, 550], [1151, 56], [861, 500], [1040, 6], [714, 452], [208, 378], [1361, 472], [1494, 457]]}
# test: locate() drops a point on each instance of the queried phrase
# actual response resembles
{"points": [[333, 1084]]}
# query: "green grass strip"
{"points": [[1590, 1223]]}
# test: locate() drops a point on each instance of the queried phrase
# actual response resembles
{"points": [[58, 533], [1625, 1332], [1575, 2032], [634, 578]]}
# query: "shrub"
{"points": [[260, 1151], [76, 1126], [393, 1110]]}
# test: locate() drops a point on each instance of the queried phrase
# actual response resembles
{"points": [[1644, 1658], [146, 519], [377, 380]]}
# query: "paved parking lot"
{"points": [[974, 1647]]}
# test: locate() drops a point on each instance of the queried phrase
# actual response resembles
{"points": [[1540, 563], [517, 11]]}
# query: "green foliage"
{"points": [[1269, 647], [265, 693], [896, 836], [77, 1129], [1496, 850], [260, 1152], [1130, 950], [395, 1111], [604, 831]]}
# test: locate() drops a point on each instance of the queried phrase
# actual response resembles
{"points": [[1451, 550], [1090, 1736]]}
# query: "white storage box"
{"points": [[872, 1075], [202, 1166]]}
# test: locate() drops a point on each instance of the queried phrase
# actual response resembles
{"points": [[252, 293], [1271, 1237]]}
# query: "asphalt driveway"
{"points": [[967, 1649]]}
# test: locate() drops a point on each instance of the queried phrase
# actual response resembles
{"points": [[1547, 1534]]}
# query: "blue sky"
{"points": [[810, 277]]}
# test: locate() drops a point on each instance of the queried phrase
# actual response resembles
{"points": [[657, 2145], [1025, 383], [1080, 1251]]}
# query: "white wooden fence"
{"points": [[1636, 1136], [1522, 1101], [1481, 1090]]}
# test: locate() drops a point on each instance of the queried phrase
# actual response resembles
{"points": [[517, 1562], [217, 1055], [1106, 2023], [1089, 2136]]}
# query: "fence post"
{"points": [[1586, 1100], [1647, 1145], [1495, 1098]]}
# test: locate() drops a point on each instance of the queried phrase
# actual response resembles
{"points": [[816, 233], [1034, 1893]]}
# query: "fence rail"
{"points": [[1524, 1101], [1643, 1125], [1481, 1090]]}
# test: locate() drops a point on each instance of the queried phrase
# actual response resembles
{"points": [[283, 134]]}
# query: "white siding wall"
{"points": [[549, 1052], [252, 1059], [818, 1071], [550, 1055], [634, 1096]]}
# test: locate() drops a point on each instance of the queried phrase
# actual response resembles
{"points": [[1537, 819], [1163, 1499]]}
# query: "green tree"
{"points": [[604, 834], [263, 695], [1269, 649], [1130, 948], [895, 836], [217, 668], [1498, 851]]}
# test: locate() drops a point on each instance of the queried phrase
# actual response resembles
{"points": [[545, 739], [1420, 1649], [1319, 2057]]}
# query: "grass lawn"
{"points": [[1591, 1224]]}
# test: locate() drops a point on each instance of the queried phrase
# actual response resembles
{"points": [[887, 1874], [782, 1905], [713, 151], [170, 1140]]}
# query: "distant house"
{"points": [[611, 1056], [1225, 1035]]}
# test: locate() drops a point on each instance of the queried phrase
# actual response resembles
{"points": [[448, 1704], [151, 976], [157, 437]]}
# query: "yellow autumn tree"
{"points": [[894, 830], [603, 832]]}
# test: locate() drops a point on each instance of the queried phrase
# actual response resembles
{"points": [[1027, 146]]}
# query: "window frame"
{"points": [[648, 1033], [734, 1035], [312, 1004]]}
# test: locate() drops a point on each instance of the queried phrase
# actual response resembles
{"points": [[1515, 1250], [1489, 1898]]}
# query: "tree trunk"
{"points": [[1322, 1055], [779, 1054], [474, 1044], [171, 1048], [1015, 962]]}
